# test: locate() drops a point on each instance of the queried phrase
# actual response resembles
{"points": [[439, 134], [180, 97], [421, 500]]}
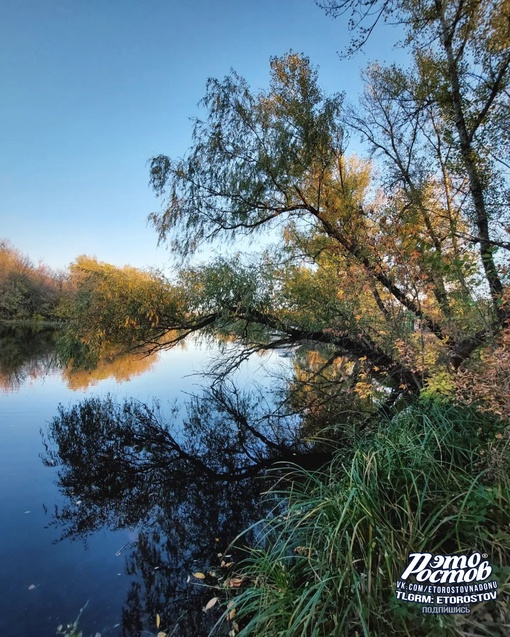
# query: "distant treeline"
{"points": [[28, 292]]}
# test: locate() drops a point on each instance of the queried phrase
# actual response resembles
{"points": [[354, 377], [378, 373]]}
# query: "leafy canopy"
{"points": [[387, 267]]}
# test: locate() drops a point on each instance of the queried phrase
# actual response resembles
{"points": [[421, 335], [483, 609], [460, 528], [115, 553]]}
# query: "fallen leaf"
{"points": [[161, 634], [199, 575], [158, 621], [212, 602], [234, 582]]}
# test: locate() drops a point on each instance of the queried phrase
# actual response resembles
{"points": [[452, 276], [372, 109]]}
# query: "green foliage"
{"points": [[386, 268], [72, 630], [327, 565], [112, 308], [450, 107], [249, 156]]}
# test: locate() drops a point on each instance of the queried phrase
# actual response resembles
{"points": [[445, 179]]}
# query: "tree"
{"points": [[387, 273], [457, 102], [384, 266]]}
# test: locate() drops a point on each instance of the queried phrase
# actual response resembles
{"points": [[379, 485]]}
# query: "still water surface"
{"points": [[125, 575]]}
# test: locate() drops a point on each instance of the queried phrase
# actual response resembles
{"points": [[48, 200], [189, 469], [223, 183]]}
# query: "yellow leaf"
{"points": [[199, 575], [161, 634], [158, 621]]}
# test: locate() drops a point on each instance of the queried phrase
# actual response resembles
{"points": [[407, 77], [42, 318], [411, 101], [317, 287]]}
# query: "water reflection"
{"points": [[122, 368], [185, 536], [182, 491], [182, 495], [28, 354], [25, 355]]}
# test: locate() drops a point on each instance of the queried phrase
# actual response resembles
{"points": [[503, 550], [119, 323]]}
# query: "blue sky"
{"points": [[91, 89]]}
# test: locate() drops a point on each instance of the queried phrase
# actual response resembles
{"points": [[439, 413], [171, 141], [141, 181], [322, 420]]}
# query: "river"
{"points": [[126, 557]]}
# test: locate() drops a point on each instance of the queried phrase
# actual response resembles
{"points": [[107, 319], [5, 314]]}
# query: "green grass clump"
{"points": [[424, 481]]}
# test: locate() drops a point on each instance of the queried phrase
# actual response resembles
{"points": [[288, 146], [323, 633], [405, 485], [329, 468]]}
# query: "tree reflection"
{"points": [[184, 537], [25, 354], [29, 354], [187, 490], [122, 368]]}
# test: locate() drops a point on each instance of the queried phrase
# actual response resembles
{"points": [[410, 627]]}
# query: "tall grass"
{"points": [[327, 566]]}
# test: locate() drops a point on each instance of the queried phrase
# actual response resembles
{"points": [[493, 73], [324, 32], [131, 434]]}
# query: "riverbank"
{"points": [[32, 324]]}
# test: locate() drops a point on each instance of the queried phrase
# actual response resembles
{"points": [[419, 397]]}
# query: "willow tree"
{"points": [[388, 273]]}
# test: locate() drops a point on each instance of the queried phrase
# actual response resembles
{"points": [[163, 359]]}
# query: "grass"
{"points": [[327, 565]]}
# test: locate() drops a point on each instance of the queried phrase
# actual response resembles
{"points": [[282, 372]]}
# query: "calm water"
{"points": [[127, 555]]}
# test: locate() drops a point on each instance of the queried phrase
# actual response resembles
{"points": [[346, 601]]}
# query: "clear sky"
{"points": [[91, 89]]}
